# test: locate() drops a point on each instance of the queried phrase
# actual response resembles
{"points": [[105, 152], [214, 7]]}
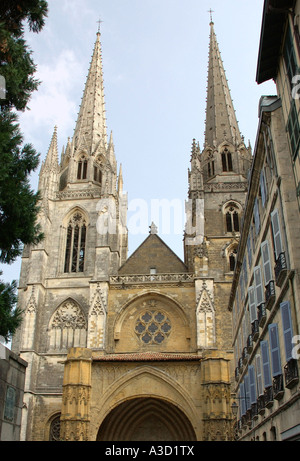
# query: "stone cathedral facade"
{"points": [[131, 348]]}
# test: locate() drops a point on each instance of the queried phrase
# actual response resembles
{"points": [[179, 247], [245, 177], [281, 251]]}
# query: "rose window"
{"points": [[153, 327]]}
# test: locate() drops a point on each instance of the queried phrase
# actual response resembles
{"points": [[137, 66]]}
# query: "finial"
{"points": [[210, 11], [99, 25], [153, 229]]}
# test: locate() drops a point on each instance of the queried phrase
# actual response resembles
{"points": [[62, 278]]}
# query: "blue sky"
{"points": [[155, 56]]}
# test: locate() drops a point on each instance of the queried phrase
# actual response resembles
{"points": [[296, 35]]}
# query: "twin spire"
{"points": [[221, 122]]}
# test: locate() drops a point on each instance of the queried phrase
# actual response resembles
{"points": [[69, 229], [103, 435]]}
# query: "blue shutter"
{"points": [[247, 391], [256, 216], [266, 363], [252, 305], [276, 233], [287, 329], [259, 294], [259, 375], [275, 351], [252, 384], [263, 188], [242, 397], [265, 253]]}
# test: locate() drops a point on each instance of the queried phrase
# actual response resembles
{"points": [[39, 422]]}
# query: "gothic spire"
{"points": [[90, 128], [221, 122]]}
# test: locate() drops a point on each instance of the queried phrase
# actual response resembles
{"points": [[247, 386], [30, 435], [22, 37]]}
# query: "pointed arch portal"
{"points": [[146, 419]]}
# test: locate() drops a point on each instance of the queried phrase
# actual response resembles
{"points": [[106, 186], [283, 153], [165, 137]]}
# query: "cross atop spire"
{"points": [[210, 11], [99, 22], [220, 114]]}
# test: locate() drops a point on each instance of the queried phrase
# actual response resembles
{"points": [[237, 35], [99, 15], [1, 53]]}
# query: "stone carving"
{"points": [[68, 327]]}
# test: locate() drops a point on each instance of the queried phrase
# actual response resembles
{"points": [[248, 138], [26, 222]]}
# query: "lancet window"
{"points": [[75, 244], [232, 218], [227, 160], [82, 168]]}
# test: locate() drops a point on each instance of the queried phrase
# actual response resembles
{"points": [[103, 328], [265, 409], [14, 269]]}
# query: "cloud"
{"points": [[54, 102]]}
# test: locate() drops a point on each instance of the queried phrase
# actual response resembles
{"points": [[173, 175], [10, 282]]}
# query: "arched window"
{"points": [[232, 218], [67, 327], [54, 435], [75, 245], [232, 260], [82, 168], [227, 160]]}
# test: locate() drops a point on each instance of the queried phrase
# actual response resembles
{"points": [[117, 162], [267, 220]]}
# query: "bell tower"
{"points": [[217, 179]]}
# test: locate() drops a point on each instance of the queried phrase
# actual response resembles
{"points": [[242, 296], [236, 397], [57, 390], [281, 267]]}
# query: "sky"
{"points": [[155, 59]]}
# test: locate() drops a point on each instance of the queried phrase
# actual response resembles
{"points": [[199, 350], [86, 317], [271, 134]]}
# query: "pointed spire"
{"points": [[91, 123], [221, 122], [51, 162]]}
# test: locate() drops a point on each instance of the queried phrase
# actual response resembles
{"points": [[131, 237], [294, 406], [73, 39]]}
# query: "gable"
{"points": [[153, 253]]}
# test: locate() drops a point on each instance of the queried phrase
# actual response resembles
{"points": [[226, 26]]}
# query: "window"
{"points": [[54, 435], [82, 168], [211, 169], [247, 391], [285, 309], [259, 295], [232, 218], [153, 327], [97, 174], [256, 216], [275, 352], [232, 259], [227, 160], [293, 129], [263, 189], [252, 304], [252, 384], [276, 233], [265, 253], [266, 363], [75, 245], [259, 375], [289, 57]]}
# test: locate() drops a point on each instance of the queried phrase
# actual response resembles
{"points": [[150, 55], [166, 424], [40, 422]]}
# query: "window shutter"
{"points": [[256, 216], [263, 188], [287, 329], [249, 249], [242, 397], [266, 363], [259, 375], [247, 391], [259, 296], [252, 384], [266, 261], [275, 352], [252, 305], [276, 233]]}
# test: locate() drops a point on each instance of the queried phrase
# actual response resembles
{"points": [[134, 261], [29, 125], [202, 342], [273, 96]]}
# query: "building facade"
{"points": [[265, 297], [136, 348]]}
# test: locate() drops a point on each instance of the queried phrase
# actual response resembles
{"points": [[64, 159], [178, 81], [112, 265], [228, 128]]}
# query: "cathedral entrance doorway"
{"points": [[146, 419]]}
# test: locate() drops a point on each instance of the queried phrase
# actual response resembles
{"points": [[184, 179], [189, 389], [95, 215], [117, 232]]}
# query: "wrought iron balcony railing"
{"points": [[280, 269], [278, 388], [291, 373], [270, 294]]}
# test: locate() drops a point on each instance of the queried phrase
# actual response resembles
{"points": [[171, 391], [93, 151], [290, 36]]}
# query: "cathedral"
{"points": [[132, 348]]}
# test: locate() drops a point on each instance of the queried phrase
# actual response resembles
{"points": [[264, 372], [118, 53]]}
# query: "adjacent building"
{"points": [[265, 296]]}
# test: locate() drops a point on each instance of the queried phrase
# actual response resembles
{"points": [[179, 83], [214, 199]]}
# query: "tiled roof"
{"points": [[146, 357]]}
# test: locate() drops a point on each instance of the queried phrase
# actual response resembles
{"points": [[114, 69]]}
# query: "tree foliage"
{"points": [[18, 202]]}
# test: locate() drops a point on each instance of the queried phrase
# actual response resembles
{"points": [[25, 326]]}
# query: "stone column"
{"points": [[75, 414], [217, 417]]}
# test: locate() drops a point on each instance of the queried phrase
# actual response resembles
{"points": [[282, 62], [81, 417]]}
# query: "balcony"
{"points": [[270, 294], [240, 364], [255, 330], [245, 355], [269, 397], [261, 404], [291, 374], [249, 344], [280, 269], [254, 411], [262, 315], [237, 373], [278, 388]]}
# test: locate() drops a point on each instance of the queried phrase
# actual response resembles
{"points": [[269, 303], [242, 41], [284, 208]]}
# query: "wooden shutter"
{"points": [[265, 253], [256, 216], [276, 233], [252, 383], [242, 397], [247, 391], [287, 329], [275, 351], [266, 363], [259, 375], [252, 304], [259, 295], [263, 188]]}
